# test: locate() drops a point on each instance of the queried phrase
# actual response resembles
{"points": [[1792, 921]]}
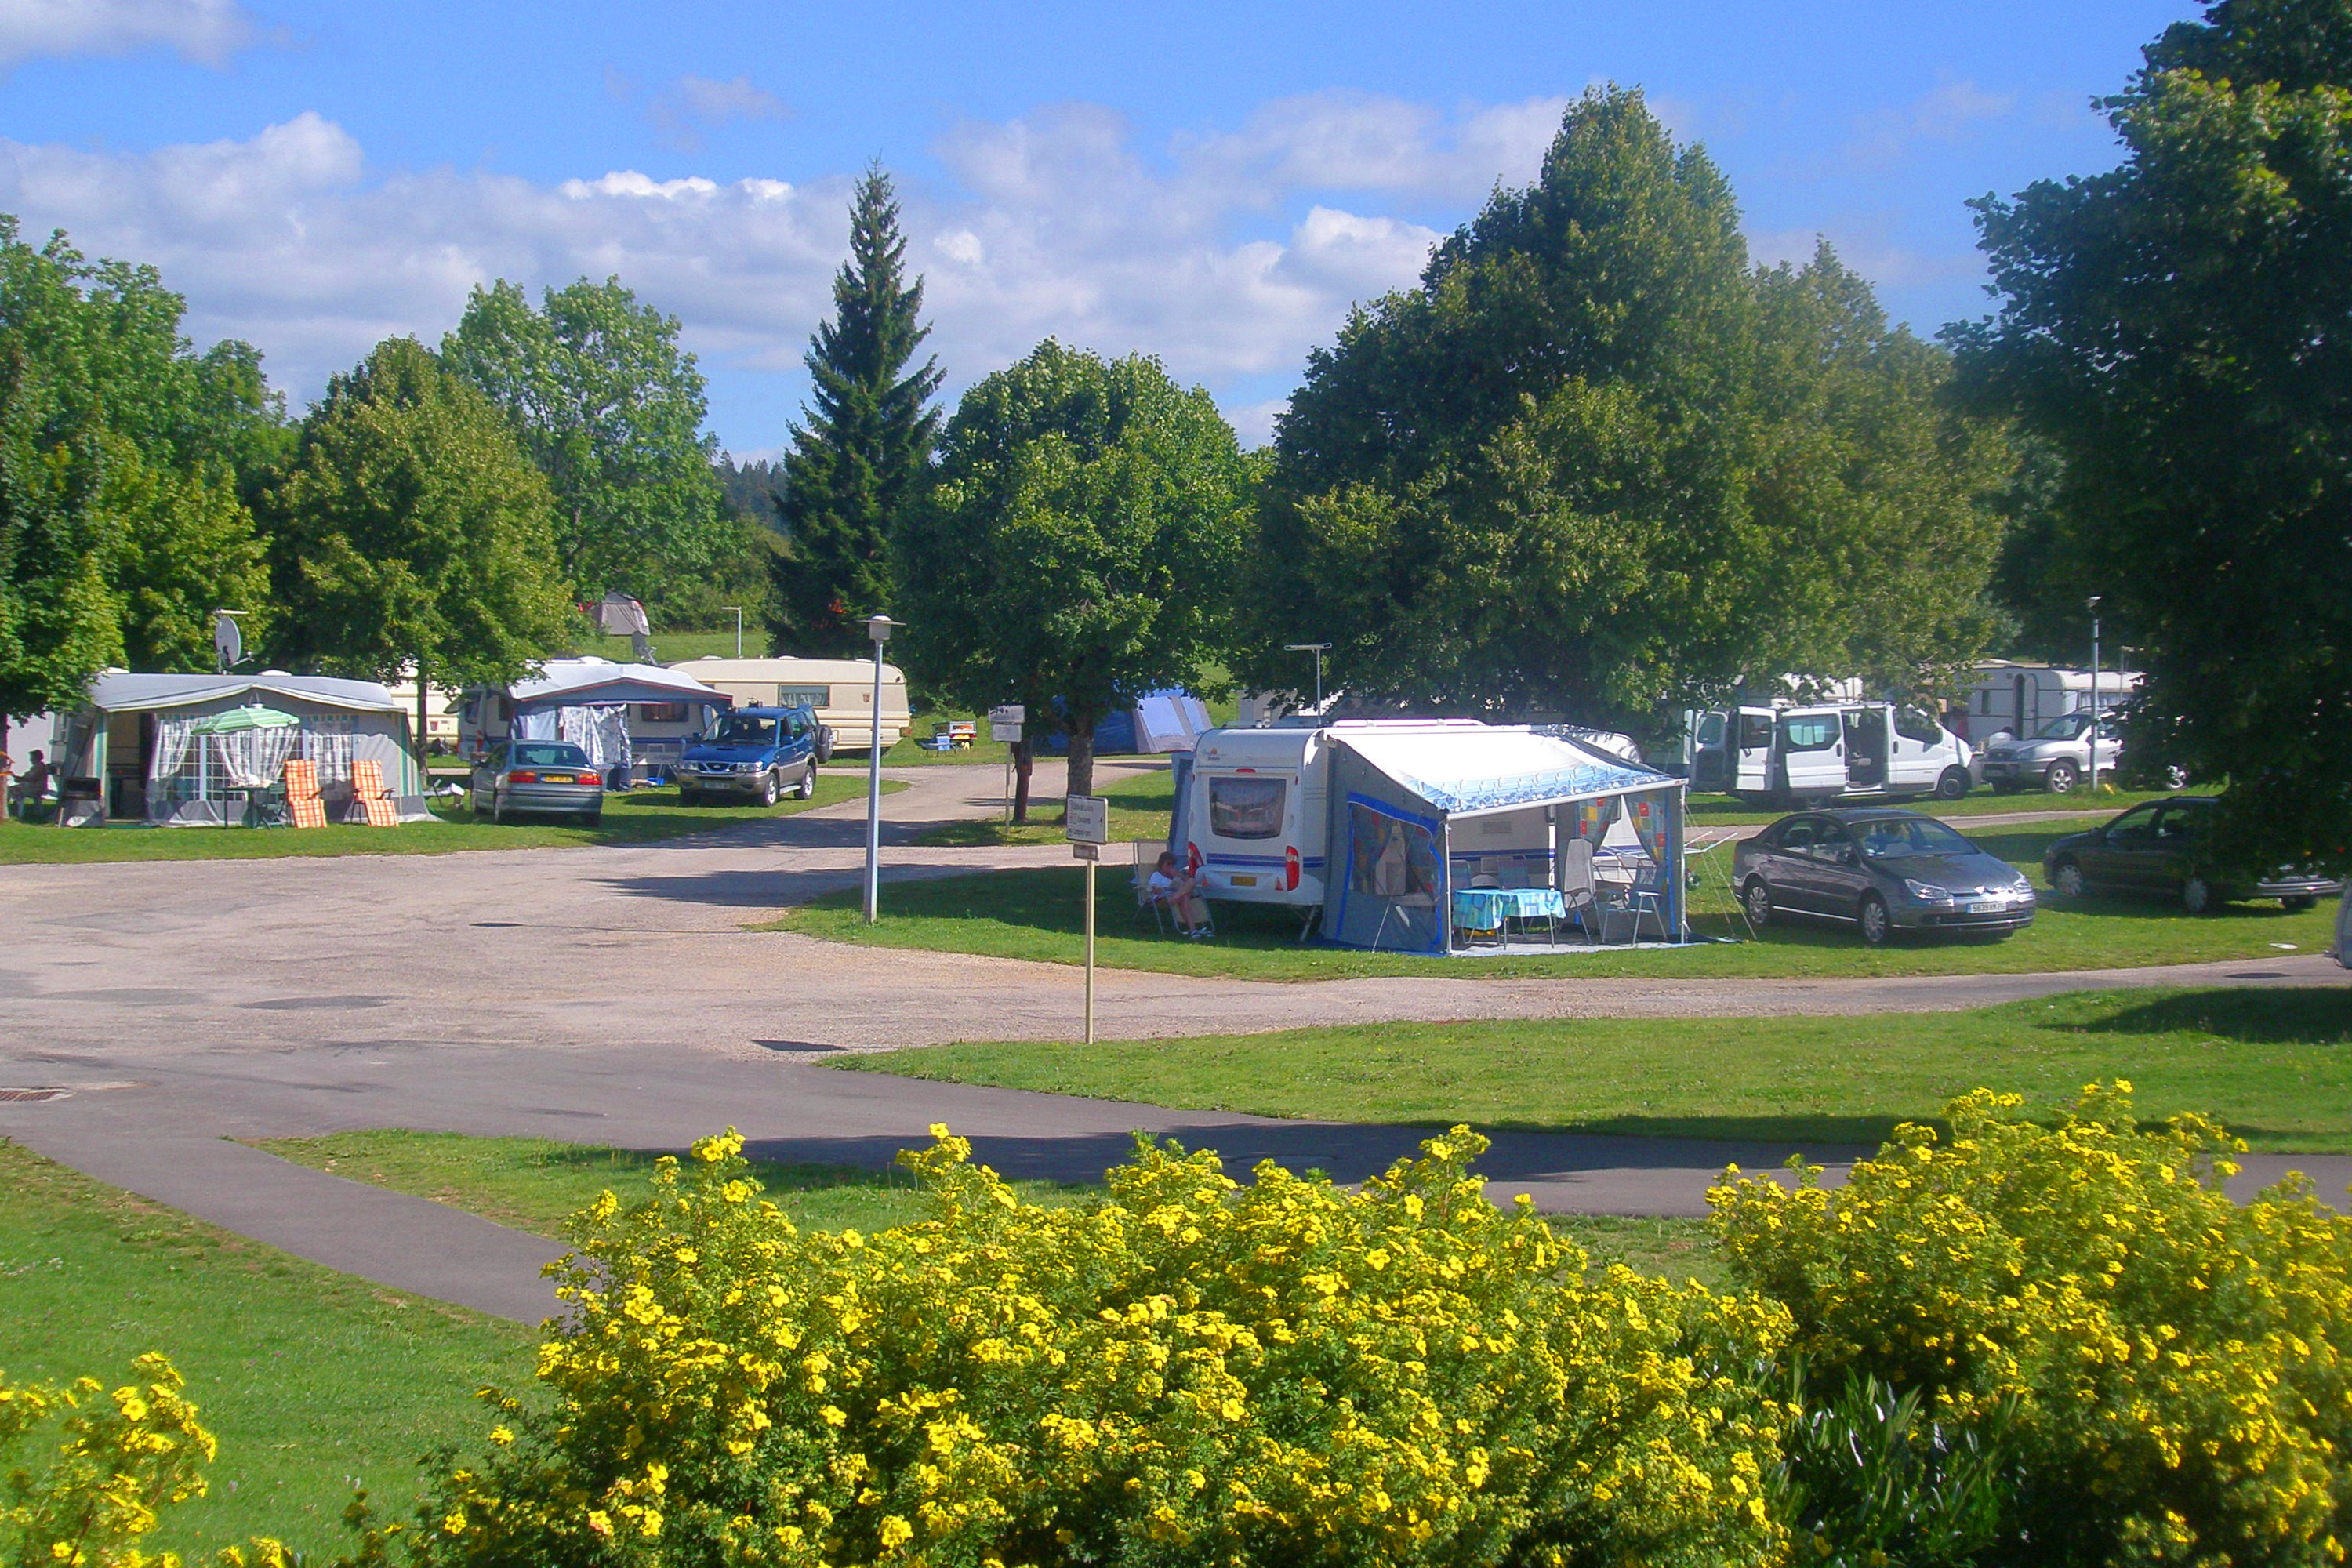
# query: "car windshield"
{"points": [[1895, 837], [746, 728], [551, 756], [2064, 726]]}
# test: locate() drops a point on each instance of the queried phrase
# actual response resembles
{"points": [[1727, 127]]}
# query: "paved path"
{"points": [[611, 995]]}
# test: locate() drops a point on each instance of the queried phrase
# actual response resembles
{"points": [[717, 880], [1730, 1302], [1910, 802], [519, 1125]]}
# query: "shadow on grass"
{"points": [[2318, 1016]]}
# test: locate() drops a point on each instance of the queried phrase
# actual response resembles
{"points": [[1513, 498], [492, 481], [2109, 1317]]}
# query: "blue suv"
{"points": [[752, 754]]}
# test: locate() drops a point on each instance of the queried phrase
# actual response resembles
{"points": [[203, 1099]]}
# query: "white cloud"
{"points": [[690, 105], [1948, 112], [1227, 258], [206, 30]]}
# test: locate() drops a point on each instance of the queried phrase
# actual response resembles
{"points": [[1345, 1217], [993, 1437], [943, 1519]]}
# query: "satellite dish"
{"points": [[228, 643]]}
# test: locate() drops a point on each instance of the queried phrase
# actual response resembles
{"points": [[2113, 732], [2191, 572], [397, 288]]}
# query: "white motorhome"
{"points": [[2018, 698], [1819, 752], [840, 689]]}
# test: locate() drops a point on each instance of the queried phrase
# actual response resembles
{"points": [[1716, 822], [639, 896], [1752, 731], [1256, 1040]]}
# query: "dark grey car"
{"points": [[1879, 871]]}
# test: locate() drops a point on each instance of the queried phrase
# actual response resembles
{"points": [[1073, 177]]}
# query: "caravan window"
{"points": [[1811, 732], [1246, 807]]}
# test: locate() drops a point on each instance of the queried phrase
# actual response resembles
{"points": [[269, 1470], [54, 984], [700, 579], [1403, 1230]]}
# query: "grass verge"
{"points": [[535, 1183], [2276, 1066], [1036, 914], [310, 1378], [1139, 809], [634, 817]]}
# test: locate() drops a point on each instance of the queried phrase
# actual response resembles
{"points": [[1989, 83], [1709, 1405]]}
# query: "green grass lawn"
{"points": [[533, 1183], [1139, 809], [2276, 1066], [632, 816], [308, 1378], [1035, 914]]}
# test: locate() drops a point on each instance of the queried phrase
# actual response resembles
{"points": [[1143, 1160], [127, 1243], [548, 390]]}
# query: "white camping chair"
{"points": [[1578, 888]]}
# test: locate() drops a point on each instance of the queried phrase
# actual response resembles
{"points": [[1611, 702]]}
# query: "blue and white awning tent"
{"points": [[1417, 813]]}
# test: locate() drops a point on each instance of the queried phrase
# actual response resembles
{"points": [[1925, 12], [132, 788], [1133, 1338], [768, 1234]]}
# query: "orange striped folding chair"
{"points": [[302, 800], [367, 789]]}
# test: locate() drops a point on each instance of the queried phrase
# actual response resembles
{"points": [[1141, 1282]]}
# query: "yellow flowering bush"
{"points": [[1190, 1371], [120, 1457], [2167, 1370]]}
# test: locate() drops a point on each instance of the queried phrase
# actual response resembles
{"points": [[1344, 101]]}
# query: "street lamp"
{"points": [[2092, 604], [878, 628], [739, 627], [1318, 649]]}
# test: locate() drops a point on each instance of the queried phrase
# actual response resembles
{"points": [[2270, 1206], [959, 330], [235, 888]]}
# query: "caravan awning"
{"points": [[125, 693], [590, 682], [1462, 771]]}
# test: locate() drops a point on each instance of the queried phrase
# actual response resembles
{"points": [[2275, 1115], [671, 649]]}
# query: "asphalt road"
{"points": [[611, 995]]}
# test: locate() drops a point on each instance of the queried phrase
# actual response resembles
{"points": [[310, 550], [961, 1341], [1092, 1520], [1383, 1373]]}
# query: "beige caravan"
{"points": [[840, 689]]}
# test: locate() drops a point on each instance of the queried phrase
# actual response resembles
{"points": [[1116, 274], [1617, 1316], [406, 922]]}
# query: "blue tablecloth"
{"points": [[1486, 909]]}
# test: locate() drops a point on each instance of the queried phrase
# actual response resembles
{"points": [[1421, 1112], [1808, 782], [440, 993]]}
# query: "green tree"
{"points": [[122, 454], [611, 409], [1595, 460], [866, 451], [410, 528], [2174, 329], [1081, 543]]}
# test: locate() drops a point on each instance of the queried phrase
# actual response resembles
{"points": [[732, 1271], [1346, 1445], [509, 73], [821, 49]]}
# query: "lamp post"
{"points": [[2092, 604], [1318, 649], [878, 628], [739, 627]]}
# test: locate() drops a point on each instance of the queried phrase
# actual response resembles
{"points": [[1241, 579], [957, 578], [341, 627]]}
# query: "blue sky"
{"points": [[1213, 183]]}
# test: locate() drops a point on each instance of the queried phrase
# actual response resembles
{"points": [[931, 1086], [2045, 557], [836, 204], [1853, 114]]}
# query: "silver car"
{"points": [[552, 776], [1879, 871]]}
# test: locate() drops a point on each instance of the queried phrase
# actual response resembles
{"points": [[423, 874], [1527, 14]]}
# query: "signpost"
{"points": [[1005, 722], [1086, 822]]}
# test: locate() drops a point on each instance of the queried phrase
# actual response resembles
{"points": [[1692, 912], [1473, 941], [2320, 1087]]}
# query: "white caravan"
{"points": [[2018, 698], [1818, 753]]}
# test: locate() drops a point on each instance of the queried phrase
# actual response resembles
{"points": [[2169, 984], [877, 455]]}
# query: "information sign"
{"points": [[1086, 818], [1008, 713]]}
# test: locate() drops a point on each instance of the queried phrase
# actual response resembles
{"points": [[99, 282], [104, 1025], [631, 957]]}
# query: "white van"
{"points": [[840, 689], [1825, 752]]}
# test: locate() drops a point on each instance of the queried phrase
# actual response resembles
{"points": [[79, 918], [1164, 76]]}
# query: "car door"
{"points": [[799, 746], [1920, 748], [1812, 751], [485, 783], [2119, 859], [1788, 861], [1836, 881], [2172, 852], [1752, 742]]}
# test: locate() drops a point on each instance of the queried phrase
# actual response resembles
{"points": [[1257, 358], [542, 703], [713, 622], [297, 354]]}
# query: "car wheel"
{"points": [[2196, 895], [1757, 901], [806, 788], [1953, 785], [2063, 777], [2067, 878], [1878, 925], [768, 791], [2299, 902]]}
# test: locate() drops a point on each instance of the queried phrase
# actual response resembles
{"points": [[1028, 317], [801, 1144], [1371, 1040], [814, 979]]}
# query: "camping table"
{"points": [[1488, 909]]}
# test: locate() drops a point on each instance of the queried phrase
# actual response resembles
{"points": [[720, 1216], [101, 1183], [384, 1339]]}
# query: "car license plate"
{"points": [[1248, 881], [1983, 906]]}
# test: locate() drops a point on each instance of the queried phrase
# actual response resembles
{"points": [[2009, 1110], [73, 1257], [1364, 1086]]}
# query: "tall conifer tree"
{"points": [[867, 443]]}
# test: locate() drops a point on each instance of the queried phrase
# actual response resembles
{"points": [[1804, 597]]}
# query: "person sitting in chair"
{"points": [[1180, 892]]}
